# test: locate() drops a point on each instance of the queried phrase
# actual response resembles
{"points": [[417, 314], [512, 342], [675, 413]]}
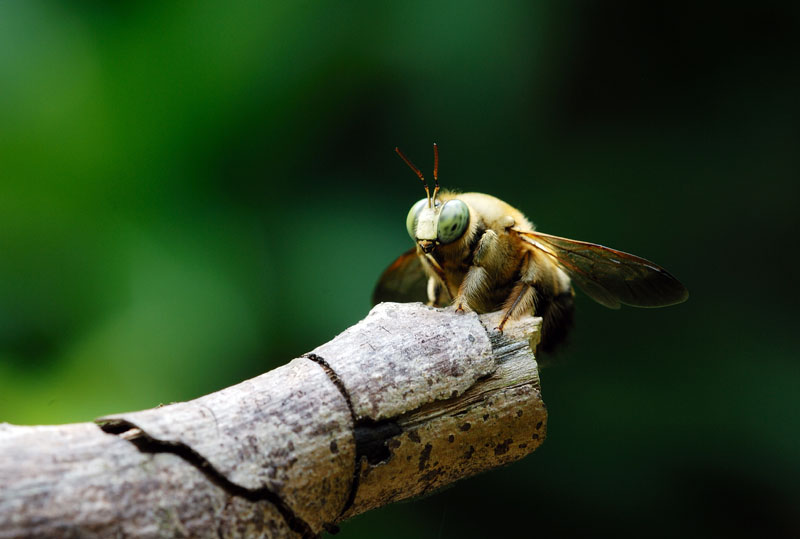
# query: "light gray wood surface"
{"points": [[406, 401]]}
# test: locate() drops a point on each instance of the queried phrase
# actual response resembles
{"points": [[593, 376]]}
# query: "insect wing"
{"points": [[403, 281], [608, 276]]}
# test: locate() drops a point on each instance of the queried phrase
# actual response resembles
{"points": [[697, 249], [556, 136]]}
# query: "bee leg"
{"points": [[477, 282], [432, 292], [523, 296], [522, 299], [474, 283], [436, 292]]}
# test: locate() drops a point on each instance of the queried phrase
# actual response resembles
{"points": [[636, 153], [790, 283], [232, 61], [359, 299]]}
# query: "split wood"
{"points": [[406, 401]]}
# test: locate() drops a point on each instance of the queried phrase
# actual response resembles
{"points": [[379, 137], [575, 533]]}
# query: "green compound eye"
{"points": [[413, 214], [453, 221]]}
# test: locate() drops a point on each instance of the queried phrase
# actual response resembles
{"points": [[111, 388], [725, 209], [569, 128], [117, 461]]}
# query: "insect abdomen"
{"points": [[557, 313]]}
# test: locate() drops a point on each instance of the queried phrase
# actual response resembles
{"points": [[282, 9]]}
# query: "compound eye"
{"points": [[413, 216], [453, 221]]}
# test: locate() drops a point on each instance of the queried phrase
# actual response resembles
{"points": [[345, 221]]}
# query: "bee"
{"points": [[477, 253]]}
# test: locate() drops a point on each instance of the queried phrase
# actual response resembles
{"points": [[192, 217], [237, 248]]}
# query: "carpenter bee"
{"points": [[478, 253]]}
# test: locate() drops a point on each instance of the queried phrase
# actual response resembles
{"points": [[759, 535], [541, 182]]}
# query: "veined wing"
{"points": [[608, 276]]}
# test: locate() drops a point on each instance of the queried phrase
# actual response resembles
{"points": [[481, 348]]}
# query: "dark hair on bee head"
{"points": [[431, 199]]}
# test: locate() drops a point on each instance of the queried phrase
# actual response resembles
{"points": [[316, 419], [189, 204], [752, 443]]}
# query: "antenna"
{"points": [[418, 173], [435, 171]]}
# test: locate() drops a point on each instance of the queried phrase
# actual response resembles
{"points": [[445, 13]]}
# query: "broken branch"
{"points": [[406, 401]]}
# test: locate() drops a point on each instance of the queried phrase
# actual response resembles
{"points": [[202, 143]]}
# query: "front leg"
{"points": [[438, 291], [477, 281], [523, 296], [437, 294]]}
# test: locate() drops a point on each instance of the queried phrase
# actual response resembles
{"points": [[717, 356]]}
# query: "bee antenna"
{"points": [[418, 173], [435, 171]]}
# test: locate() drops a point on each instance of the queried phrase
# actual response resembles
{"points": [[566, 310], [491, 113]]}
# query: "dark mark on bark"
{"points": [[334, 447], [465, 427], [468, 454], [114, 426], [503, 347], [414, 437], [425, 456], [538, 425], [485, 417], [430, 476], [147, 444], [334, 378], [519, 413], [502, 448], [535, 436], [451, 438], [372, 438]]}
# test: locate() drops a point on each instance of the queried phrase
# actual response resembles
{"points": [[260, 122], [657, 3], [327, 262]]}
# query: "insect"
{"points": [[477, 253]]}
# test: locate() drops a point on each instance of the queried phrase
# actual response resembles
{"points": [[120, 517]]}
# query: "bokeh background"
{"points": [[194, 193]]}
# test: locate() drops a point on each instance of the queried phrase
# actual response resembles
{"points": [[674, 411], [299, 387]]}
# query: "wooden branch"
{"points": [[406, 401]]}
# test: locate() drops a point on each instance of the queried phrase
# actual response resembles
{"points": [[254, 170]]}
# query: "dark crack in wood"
{"points": [[147, 444], [371, 437], [334, 378]]}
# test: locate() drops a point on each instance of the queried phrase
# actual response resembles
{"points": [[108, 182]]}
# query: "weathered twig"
{"points": [[406, 401]]}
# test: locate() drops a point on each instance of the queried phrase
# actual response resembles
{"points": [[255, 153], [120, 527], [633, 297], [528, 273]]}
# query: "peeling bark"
{"points": [[408, 400]]}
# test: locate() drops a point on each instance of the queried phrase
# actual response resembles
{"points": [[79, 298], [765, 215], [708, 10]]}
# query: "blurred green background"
{"points": [[194, 193]]}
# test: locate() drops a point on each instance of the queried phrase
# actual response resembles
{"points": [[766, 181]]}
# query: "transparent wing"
{"points": [[608, 276], [403, 281]]}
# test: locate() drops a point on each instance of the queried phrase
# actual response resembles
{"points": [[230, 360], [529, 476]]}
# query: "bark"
{"points": [[406, 401]]}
